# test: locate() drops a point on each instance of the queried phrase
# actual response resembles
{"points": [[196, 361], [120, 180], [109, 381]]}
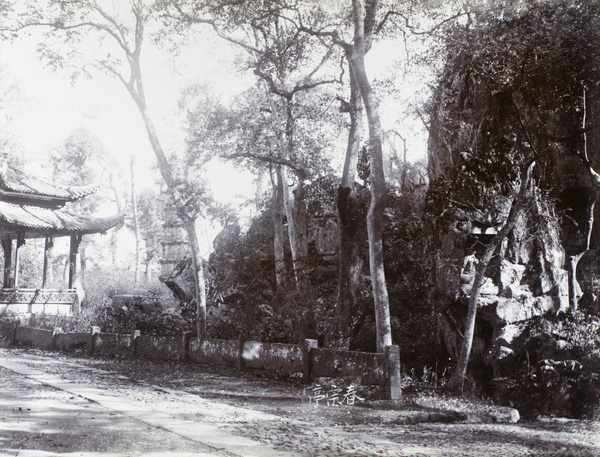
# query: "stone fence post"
{"points": [[393, 379], [134, 336], [93, 333], [306, 364], [55, 332], [185, 345]]}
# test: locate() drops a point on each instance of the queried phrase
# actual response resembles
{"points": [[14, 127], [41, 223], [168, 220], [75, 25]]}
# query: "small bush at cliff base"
{"points": [[559, 368], [118, 320]]}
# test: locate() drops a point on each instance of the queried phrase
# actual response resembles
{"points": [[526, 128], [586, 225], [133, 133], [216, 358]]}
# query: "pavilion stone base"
{"points": [[24, 302]]}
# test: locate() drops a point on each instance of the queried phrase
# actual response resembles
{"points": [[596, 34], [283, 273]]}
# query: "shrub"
{"points": [[558, 369], [125, 320], [80, 323], [143, 312]]}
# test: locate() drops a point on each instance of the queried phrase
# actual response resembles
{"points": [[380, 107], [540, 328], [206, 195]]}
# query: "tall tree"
{"points": [[82, 160], [136, 224], [364, 23], [351, 262], [517, 207], [583, 153], [363, 28], [289, 64], [150, 206], [291, 19], [125, 28]]}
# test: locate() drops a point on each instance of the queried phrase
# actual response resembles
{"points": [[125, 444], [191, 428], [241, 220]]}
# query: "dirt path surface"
{"points": [[206, 409], [39, 420]]}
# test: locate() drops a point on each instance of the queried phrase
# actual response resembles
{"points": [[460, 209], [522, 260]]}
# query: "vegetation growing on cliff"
{"points": [[516, 90]]}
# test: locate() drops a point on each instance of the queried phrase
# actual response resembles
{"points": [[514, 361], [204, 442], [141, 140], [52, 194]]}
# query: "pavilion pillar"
{"points": [[75, 241], [8, 257], [20, 241], [49, 244]]}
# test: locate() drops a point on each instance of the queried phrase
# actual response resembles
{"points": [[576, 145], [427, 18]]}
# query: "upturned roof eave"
{"points": [[34, 222], [17, 184]]}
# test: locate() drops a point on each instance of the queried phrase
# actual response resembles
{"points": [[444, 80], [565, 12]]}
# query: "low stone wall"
{"points": [[74, 342], [113, 344], [283, 357], [272, 356], [215, 352], [159, 348], [308, 359], [366, 366], [7, 330], [34, 337]]}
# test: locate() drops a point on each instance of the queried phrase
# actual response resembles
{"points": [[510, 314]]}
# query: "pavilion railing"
{"points": [[50, 301]]}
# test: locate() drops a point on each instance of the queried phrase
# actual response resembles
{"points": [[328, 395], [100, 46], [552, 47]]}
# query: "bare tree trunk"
{"points": [[287, 145], [350, 232], [301, 223], [114, 232], [288, 205], [278, 218], [456, 382], [575, 292], [378, 186], [298, 236], [136, 90], [189, 225], [136, 226], [148, 270], [113, 254], [301, 228]]}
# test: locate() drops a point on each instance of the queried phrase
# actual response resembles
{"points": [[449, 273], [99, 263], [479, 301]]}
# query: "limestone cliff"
{"points": [[513, 91]]}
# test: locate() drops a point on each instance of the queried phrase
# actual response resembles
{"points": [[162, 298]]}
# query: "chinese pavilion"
{"points": [[32, 208]]}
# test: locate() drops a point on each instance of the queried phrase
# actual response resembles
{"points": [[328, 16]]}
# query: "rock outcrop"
{"points": [[487, 119]]}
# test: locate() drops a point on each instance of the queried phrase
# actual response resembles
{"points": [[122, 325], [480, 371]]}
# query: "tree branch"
{"points": [[333, 35], [312, 85], [119, 76], [325, 58], [300, 171], [412, 28], [185, 17], [119, 35], [272, 85]]}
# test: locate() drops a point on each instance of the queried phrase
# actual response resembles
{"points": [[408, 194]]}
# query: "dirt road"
{"points": [[53, 404], [39, 420]]}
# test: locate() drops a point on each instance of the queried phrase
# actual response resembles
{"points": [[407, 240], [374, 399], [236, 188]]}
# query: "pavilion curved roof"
{"points": [[36, 221], [14, 180]]}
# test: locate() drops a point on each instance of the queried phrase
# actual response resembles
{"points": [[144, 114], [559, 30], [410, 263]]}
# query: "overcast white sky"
{"points": [[46, 107]]}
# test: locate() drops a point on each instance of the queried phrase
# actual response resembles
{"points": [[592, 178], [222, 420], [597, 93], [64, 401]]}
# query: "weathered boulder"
{"points": [[511, 274]]}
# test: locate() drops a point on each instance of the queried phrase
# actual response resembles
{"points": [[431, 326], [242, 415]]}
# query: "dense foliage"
{"points": [[243, 299], [559, 368], [519, 89], [512, 90]]}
